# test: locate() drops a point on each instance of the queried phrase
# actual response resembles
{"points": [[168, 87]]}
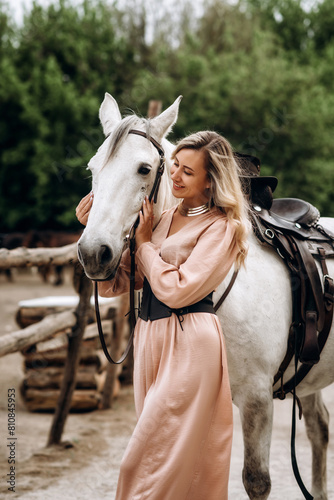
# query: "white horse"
{"points": [[255, 316]]}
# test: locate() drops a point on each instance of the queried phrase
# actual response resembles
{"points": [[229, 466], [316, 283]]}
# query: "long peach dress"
{"points": [[181, 446]]}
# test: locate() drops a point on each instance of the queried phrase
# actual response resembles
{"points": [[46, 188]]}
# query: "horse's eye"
{"points": [[144, 169]]}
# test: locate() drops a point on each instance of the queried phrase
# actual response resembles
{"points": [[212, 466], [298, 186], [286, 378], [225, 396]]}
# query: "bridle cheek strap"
{"points": [[161, 168], [132, 244]]}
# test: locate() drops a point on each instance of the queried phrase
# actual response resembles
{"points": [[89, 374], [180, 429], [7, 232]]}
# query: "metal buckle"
{"points": [[130, 234], [269, 233]]}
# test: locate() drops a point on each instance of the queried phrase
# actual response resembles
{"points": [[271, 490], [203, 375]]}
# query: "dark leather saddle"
{"points": [[298, 212], [291, 227]]}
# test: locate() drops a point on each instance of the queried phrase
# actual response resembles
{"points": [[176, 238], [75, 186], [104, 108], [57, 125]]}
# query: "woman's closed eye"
{"points": [[187, 172]]}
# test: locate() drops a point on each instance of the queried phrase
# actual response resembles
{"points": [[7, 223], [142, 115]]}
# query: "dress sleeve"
{"points": [[121, 283], [204, 269]]}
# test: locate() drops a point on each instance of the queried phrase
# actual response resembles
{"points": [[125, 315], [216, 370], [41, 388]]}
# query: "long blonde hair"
{"points": [[225, 186]]}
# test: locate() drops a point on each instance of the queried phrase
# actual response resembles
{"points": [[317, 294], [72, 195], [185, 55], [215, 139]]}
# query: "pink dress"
{"points": [[181, 446]]}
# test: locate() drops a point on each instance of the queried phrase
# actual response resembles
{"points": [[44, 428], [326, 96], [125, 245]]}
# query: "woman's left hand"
{"points": [[145, 227]]}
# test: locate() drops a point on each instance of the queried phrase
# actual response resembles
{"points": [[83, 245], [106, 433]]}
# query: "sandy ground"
{"points": [[89, 468]]}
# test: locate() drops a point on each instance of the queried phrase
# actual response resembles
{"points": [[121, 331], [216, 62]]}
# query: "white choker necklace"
{"points": [[191, 212]]}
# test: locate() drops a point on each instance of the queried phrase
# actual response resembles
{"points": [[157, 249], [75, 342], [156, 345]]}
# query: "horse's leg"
{"points": [[316, 422], [256, 412]]}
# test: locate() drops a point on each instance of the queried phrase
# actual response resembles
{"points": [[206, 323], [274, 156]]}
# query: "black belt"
{"points": [[152, 309]]}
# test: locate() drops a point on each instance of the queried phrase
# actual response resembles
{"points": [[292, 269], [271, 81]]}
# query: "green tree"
{"points": [[260, 73], [50, 89]]}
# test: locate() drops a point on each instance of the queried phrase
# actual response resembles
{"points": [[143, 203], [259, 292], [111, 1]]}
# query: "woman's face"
{"points": [[190, 179]]}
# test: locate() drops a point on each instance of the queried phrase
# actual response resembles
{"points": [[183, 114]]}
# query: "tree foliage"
{"points": [[260, 73]]}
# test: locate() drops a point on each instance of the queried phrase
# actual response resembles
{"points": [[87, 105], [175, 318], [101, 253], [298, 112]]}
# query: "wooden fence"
{"points": [[75, 319]]}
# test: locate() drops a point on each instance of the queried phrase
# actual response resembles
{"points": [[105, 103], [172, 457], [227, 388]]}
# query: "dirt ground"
{"points": [[88, 468]]}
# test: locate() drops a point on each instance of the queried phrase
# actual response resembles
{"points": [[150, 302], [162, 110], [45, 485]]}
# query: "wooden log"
{"points": [[16, 341], [58, 358], [59, 342], [28, 257], [39, 360], [27, 316], [92, 333], [51, 378], [47, 400], [91, 337]]}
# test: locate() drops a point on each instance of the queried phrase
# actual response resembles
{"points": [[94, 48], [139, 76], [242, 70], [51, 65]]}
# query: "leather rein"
{"points": [[130, 238]]}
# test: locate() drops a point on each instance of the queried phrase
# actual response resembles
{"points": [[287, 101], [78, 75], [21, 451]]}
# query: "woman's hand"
{"points": [[144, 229], [83, 209]]}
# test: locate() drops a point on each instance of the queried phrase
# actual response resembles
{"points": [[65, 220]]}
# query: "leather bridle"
{"points": [[130, 240]]}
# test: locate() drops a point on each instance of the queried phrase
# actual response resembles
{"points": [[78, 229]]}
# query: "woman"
{"points": [[181, 446]]}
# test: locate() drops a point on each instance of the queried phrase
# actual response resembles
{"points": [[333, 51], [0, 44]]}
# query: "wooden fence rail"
{"points": [[51, 324], [28, 257]]}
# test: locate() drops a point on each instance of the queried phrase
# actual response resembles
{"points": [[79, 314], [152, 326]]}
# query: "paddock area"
{"points": [[87, 465]]}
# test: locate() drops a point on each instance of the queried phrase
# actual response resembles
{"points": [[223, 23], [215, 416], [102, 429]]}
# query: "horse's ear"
{"points": [[109, 114], [162, 124]]}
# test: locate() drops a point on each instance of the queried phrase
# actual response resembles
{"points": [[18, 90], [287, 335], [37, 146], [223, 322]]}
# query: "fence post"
{"points": [[120, 327], [83, 287], [154, 108]]}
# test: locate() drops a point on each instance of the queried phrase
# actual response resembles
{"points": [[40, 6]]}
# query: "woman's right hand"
{"points": [[83, 209]]}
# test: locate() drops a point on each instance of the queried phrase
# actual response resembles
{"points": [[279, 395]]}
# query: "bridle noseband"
{"points": [[130, 240]]}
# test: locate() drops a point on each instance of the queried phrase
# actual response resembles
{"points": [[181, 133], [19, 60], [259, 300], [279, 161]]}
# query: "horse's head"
{"points": [[123, 169]]}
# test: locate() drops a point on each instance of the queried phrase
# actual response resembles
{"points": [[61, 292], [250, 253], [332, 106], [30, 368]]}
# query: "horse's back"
{"points": [[327, 223]]}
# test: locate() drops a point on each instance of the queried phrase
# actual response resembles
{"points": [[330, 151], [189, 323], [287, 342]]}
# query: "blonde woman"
{"points": [[181, 446]]}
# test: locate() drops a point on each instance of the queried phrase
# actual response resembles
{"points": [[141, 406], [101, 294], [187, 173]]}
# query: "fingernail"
{"points": [[145, 201]]}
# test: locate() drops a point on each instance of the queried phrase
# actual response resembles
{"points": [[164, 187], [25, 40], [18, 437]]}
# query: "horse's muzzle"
{"points": [[97, 261]]}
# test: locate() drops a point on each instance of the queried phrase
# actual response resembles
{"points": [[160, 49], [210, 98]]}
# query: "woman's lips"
{"points": [[176, 186]]}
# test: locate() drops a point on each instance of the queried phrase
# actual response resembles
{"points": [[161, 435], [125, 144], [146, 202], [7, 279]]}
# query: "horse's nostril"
{"points": [[105, 254]]}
